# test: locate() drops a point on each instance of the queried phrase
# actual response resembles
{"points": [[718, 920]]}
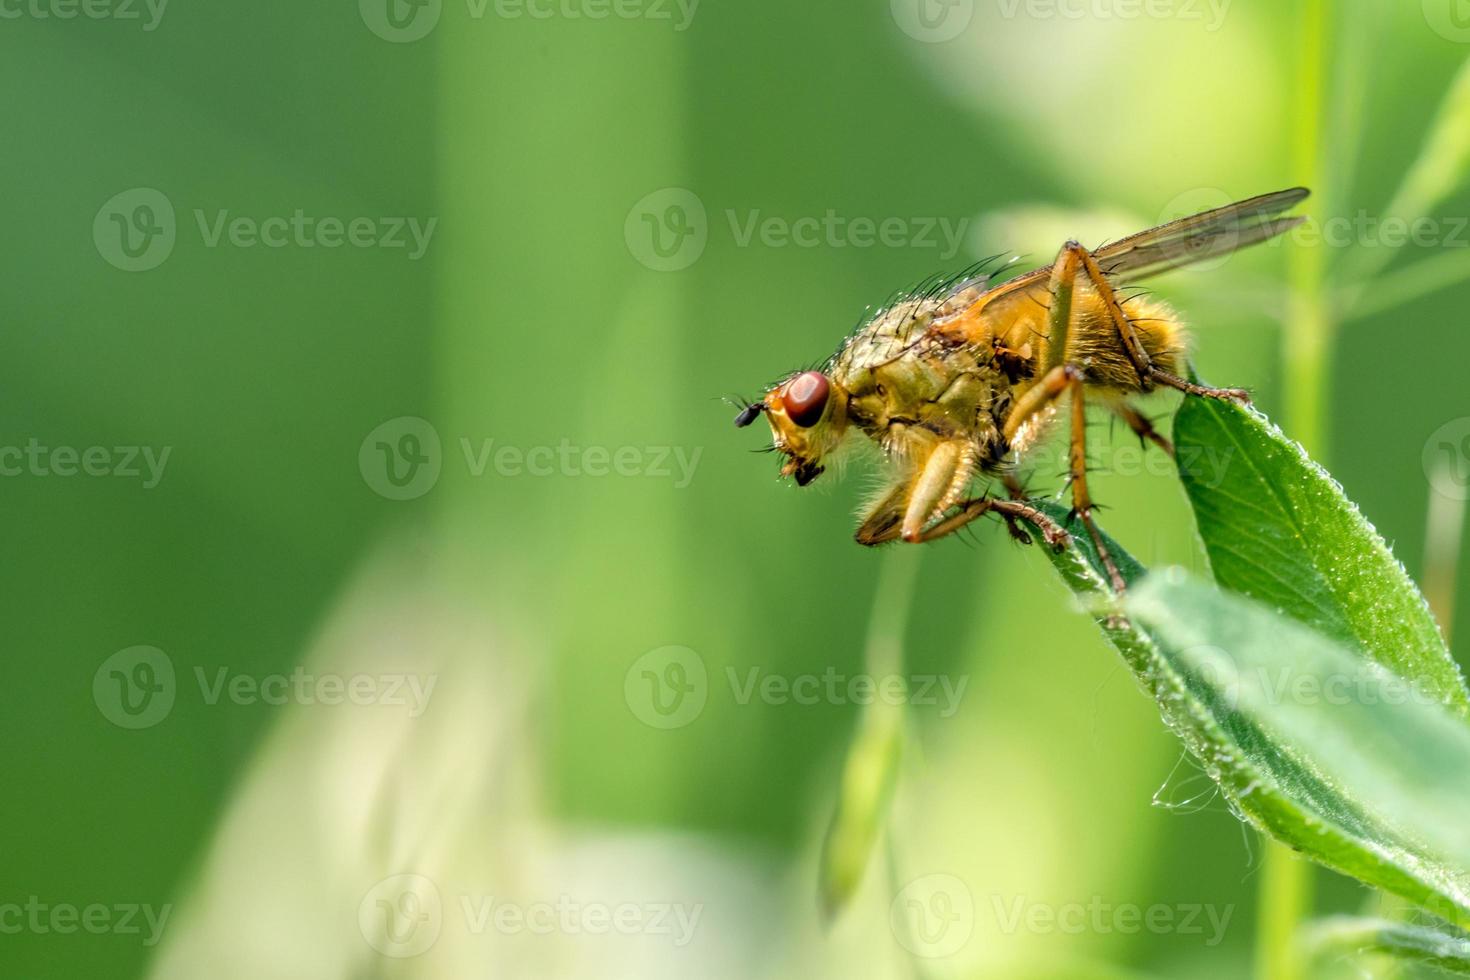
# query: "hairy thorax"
{"points": [[910, 386]]}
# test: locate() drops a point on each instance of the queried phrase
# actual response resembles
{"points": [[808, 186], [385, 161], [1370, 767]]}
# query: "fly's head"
{"points": [[808, 417]]}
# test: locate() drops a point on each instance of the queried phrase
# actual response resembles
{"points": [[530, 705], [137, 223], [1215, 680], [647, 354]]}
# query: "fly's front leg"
{"points": [[1148, 372], [885, 517], [939, 484], [936, 484], [1060, 380]]}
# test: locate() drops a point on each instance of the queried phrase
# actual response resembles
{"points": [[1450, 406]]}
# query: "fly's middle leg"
{"points": [[1141, 425], [1066, 379]]}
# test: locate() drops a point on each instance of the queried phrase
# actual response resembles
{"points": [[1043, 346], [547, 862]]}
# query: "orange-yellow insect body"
{"points": [[961, 378]]}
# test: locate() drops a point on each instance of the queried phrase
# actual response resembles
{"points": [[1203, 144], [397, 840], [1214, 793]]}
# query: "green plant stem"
{"points": [[870, 771], [1285, 901], [1444, 533], [1286, 885], [1405, 285], [890, 617], [1308, 333]]}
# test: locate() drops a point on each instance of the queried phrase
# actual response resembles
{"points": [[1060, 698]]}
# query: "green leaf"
{"points": [[1371, 761], [868, 779], [1277, 528], [1342, 936], [1319, 782]]}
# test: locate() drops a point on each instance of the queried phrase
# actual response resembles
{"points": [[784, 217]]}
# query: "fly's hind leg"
{"points": [[1148, 371]]}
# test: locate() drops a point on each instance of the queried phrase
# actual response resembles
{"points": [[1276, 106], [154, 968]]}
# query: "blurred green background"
{"points": [[588, 283]]}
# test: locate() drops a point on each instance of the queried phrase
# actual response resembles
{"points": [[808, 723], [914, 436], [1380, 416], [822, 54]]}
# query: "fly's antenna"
{"points": [[748, 410]]}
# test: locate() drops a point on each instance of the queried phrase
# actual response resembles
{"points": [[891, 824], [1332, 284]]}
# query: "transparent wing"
{"points": [[1206, 235], [1202, 236]]}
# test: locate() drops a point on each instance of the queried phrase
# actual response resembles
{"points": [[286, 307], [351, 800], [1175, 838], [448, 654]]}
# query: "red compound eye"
{"points": [[805, 398]]}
